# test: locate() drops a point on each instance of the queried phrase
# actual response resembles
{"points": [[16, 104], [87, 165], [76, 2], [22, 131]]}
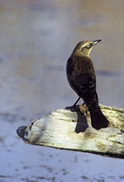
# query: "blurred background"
{"points": [[36, 39]]}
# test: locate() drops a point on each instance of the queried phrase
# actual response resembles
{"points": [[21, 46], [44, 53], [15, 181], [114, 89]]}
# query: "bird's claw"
{"points": [[71, 108]]}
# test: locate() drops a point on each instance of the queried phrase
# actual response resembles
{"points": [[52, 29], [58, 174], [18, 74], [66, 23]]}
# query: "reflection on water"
{"points": [[36, 39]]}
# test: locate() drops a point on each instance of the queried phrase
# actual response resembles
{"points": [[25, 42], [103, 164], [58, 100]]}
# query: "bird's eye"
{"points": [[88, 46]]}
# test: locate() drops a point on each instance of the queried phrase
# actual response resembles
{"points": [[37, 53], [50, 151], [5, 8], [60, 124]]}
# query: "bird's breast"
{"points": [[82, 65]]}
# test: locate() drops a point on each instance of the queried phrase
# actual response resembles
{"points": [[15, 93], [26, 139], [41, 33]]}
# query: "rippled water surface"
{"points": [[36, 39]]}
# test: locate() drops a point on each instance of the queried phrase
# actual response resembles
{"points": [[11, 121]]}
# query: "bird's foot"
{"points": [[72, 108]]}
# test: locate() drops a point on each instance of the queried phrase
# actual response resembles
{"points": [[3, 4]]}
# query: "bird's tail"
{"points": [[98, 120]]}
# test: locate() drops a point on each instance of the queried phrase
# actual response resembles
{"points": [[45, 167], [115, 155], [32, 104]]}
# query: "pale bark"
{"points": [[64, 129]]}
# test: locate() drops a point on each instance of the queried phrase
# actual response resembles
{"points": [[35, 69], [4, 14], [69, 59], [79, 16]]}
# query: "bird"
{"points": [[82, 79]]}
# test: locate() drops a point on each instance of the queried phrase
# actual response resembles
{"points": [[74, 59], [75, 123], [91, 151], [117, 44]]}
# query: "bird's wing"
{"points": [[86, 87], [84, 84], [92, 82]]}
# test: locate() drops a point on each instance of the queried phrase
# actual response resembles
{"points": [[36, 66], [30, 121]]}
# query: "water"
{"points": [[36, 39]]}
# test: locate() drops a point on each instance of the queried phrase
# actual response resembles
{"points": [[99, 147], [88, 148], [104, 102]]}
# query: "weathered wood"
{"points": [[64, 129]]}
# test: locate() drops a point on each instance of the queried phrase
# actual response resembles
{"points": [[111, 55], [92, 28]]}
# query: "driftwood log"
{"points": [[69, 130]]}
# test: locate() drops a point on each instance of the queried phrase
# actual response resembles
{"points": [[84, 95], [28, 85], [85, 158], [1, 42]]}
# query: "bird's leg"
{"points": [[73, 107], [76, 101]]}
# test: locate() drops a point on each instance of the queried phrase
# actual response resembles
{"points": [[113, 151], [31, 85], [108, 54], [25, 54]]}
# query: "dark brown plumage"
{"points": [[82, 79]]}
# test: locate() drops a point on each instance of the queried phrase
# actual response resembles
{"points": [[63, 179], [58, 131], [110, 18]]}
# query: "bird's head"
{"points": [[84, 47]]}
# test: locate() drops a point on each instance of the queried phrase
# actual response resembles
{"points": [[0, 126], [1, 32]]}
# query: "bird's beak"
{"points": [[96, 42]]}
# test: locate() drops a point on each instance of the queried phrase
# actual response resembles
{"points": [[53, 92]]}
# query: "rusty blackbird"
{"points": [[82, 79]]}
